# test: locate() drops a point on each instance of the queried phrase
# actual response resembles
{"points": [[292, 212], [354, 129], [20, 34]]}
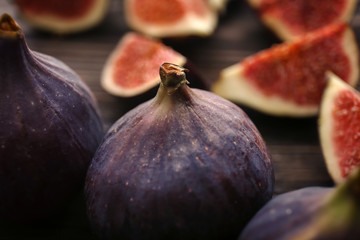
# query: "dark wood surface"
{"points": [[292, 142]]}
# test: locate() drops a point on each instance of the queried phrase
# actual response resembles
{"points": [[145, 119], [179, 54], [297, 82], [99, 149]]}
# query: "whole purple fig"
{"points": [[316, 213], [49, 129], [185, 165]]}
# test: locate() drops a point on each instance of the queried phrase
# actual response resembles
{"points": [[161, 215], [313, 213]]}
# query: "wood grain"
{"points": [[293, 143]]}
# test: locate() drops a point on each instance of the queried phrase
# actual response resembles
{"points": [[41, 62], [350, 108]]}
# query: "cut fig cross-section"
{"points": [[133, 66], [339, 128], [289, 19], [176, 18], [63, 16], [289, 79]]}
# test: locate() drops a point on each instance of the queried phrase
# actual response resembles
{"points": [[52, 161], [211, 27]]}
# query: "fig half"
{"points": [[291, 19], [132, 68], [316, 213], [168, 19], [50, 127], [63, 16], [289, 79], [339, 128], [186, 164]]}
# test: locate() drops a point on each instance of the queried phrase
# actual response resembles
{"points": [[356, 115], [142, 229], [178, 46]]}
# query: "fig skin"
{"points": [[186, 164], [50, 128], [317, 213]]}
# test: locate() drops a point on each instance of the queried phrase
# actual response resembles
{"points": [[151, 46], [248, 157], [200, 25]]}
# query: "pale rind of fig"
{"points": [[61, 25], [189, 23], [232, 84], [219, 5]]}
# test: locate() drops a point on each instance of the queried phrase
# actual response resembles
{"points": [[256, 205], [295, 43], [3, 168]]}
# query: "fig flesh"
{"points": [[63, 16], [289, 79], [310, 213], [50, 128], [339, 128], [291, 19], [186, 164], [168, 19]]}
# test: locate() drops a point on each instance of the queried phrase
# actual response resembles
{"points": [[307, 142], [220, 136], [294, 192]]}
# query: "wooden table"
{"points": [[292, 142]]}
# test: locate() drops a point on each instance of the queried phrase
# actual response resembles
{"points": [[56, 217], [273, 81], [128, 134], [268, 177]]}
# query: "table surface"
{"points": [[292, 142]]}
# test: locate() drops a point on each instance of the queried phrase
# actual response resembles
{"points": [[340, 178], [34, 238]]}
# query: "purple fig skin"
{"points": [[189, 165], [50, 127], [286, 214], [291, 215]]}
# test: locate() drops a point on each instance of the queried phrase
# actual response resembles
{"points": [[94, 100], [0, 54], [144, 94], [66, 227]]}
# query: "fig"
{"points": [[339, 128], [132, 67], [168, 19], [50, 128], [291, 19], [310, 213], [288, 79], [63, 16], [186, 164]]}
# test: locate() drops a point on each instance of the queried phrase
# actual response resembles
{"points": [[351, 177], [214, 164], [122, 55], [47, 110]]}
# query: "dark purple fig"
{"points": [[49, 129], [317, 213], [185, 165]]}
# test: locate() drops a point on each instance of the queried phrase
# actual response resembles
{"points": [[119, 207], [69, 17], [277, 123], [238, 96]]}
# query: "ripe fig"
{"points": [[186, 164], [289, 79], [339, 128], [50, 128], [169, 19], [317, 213], [291, 19], [132, 68], [63, 16]]}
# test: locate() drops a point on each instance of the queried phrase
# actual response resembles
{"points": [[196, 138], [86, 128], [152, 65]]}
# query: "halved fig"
{"points": [[63, 16], [163, 18], [339, 128], [289, 19], [289, 79], [133, 66]]}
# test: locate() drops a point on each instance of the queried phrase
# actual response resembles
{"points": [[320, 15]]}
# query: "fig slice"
{"points": [[288, 79], [290, 19], [339, 128], [63, 16], [133, 67], [310, 213], [186, 164], [176, 18]]}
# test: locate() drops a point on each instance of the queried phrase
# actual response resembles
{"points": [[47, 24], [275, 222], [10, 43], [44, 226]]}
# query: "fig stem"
{"points": [[8, 26], [172, 76]]}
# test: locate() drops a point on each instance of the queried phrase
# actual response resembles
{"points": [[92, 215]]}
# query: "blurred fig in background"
{"points": [[63, 16], [176, 18]]}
